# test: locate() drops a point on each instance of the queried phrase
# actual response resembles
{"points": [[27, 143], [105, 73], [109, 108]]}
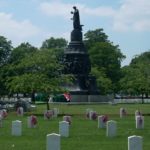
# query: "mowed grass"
{"points": [[84, 134]]}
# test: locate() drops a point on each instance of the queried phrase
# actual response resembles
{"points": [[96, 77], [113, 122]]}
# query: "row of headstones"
{"points": [[48, 114], [32, 122], [123, 113], [92, 115], [138, 117], [17, 125], [53, 142]]}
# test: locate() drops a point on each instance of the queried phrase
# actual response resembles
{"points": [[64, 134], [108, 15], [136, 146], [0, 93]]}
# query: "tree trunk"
{"points": [[142, 98], [146, 95], [47, 104], [33, 97]]}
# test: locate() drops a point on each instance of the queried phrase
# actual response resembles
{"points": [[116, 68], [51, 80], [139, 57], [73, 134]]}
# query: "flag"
{"points": [[67, 96]]}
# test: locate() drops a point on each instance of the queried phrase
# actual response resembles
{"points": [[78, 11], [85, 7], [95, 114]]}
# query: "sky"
{"points": [[126, 22]]}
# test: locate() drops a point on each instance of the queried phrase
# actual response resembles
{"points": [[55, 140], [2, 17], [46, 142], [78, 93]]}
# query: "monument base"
{"points": [[90, 98]]}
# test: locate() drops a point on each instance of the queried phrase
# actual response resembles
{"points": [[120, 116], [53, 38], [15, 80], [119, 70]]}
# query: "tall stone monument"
{"points": [[77, 62]]}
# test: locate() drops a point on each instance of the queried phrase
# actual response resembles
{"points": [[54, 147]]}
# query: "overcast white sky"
{"points": [[126, 22]]}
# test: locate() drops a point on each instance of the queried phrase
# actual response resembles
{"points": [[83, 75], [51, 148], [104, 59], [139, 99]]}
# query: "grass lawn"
{"points": [[84, 134]]}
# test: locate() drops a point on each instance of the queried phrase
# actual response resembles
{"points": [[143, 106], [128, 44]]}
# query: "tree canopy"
{"points": [[5, 50], [136, 79], [55, 43], [105, 58]]}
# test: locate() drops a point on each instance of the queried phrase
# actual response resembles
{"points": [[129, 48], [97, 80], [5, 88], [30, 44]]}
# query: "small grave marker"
{"points": [[53, 141], [135, 142], [64, 128]]}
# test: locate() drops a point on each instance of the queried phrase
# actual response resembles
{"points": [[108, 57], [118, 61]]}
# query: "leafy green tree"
{"points": [[136, 79], [103, 82], [21, 51], [17, 54], [106, 57], [54, 43], [39, 72], [93, 36], [5, 52]]}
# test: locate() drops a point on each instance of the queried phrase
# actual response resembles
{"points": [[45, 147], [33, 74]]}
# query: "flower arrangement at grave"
{"points": [[124, 112], [140, 121], [1, 118], [4, 113], [138, 113], [19, 112], [94, 116], [49, 114], [105, 119], [34, 120], [68, 119]]}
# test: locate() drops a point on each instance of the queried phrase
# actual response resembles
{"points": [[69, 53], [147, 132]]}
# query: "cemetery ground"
{"points": [[84, 133]]}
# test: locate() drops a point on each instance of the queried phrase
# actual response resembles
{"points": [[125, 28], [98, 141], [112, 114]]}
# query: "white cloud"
{"points": [[55, 8], [63, 9], [130, 15], [133, 15], [17, 31]]}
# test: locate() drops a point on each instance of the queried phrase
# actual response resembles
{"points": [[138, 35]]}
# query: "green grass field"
{"points": [[84, 134]]}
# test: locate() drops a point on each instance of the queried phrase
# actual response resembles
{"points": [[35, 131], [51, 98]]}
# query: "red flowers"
{"points": [[33, 120]]}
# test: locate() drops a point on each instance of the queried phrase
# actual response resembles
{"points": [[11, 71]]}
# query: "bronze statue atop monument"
{"points": [[76, 61]]}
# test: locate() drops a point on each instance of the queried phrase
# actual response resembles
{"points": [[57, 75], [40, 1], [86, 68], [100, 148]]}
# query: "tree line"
{"points": [[28, 69]]}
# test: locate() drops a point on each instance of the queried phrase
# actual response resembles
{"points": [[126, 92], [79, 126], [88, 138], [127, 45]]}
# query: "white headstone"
{"points": [[53, 141], [67, 118], [137, 113], [122, 112], [135, 142], [56, 112], [17, 128], [64, 128], [20, 111], [102, 121], [32, 121], [139, 122], [111, 128], [88, 112], [48, 114], [1, 121], [3, 113]]}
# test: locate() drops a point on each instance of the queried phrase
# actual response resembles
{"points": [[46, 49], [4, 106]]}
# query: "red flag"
{"points": [[67, 96]]}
